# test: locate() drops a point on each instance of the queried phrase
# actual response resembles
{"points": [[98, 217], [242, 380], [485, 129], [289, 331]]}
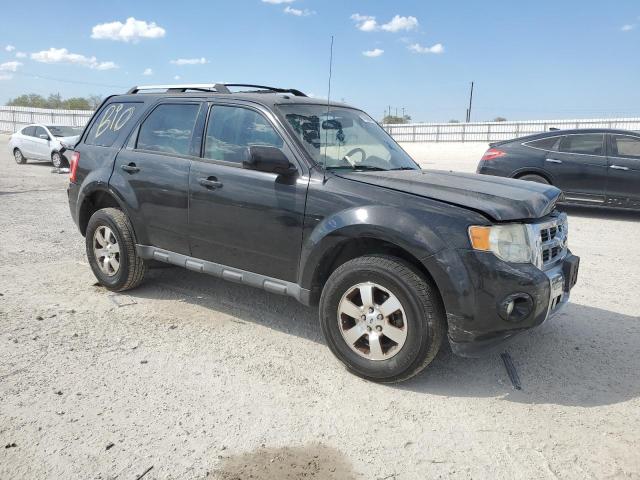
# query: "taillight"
{"points": [[493, 153], [73, 168]]}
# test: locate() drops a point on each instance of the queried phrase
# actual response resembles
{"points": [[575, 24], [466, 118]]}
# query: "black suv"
{"points": [[274, 189]]}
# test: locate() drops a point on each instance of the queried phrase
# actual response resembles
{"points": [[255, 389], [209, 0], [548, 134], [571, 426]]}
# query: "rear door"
{"points": [[40, 144], [26, 143], [579, 167], [153, 170], [240, 217], [623, 182]]}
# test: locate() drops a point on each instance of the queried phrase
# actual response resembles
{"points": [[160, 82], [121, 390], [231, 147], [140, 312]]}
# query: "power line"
{"points": [[64, 80]]}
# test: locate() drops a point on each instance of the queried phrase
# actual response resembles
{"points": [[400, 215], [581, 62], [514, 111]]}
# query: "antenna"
{"points": [[326, 134]]}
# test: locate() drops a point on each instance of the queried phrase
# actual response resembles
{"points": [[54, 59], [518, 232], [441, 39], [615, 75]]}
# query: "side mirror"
{"points": [[269, 159], [43, 136]]}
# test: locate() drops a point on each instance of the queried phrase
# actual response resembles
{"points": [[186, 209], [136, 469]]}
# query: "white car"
{"points": [[43, 142]]}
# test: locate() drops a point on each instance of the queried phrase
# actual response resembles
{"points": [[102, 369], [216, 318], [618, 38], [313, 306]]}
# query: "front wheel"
{"points": [[111, 250], [381, 318], [57, 160]]}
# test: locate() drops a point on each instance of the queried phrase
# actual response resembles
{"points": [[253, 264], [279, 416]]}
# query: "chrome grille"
{"points": [[549, 239]]}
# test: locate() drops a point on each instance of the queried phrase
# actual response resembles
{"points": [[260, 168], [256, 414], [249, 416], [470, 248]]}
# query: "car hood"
{"points": [[501, 199], [72, 140]]}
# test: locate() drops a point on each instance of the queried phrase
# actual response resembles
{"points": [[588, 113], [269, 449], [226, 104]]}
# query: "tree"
{"points": [[393, 119], [55, 100], [499, 119]]}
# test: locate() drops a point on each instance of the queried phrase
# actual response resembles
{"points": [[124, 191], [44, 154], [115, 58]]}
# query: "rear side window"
{"points": [[232, 130], [624, 146], [168, 129], [544, 143], [110, 123], [29, 131], [588, 144]]}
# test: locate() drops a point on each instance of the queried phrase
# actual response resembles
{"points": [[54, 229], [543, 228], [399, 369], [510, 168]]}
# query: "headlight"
{"points": [[508, 242]]}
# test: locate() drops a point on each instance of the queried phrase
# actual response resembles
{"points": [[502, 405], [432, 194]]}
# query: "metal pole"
{"points": [[470, 102]]}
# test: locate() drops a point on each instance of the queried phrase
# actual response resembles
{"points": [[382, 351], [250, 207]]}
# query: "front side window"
{"points": [[345, 138], [40, 131], [624, 146], [168, 129], [587, 144], [232, 130]]}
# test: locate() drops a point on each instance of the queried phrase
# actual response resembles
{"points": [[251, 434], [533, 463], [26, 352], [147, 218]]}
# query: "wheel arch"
{"points": [[97, 198]]}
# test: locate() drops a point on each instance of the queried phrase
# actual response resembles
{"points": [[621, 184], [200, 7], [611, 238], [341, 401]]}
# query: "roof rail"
{"points": [[181, 88], [211, 87]]}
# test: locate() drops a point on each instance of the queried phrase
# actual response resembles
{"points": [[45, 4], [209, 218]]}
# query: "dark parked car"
{"points": [[273, 189], [592, 167]]}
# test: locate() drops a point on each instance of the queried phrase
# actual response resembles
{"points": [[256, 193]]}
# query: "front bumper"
{"points": [[477, 322]]}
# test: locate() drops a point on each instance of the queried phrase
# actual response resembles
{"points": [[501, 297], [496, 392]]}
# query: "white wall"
{"points": [[462, 157]]}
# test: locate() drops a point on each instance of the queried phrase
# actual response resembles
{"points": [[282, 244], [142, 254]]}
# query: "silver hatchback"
{"points": [[43, 142]]}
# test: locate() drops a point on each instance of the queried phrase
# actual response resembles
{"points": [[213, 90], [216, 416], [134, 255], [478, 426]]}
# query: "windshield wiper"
{"points": [[403, 168], [358, 168]]}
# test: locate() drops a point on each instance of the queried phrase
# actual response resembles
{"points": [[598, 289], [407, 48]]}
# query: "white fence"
{"points": [[13, 119], [495, 131]]}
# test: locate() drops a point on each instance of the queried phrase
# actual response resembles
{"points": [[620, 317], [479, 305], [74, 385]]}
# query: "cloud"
{"points": [[398, 23], [130, 31], [9, 48], [297, 12], [62, 55], [177, 77], [417, 48], [5, 76], [21, 55], [365, 23], [10, 66], [190, 61], [147, 72], [628, 27], [278, 2], [376, 52]]}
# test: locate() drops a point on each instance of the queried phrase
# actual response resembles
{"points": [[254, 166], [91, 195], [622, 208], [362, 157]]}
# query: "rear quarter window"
{"points": [[544, 143], [114, 119]]}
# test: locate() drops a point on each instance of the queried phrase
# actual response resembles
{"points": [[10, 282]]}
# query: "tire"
{"points": [[420, 311], [19, 158], [58, 160], [531, 177], [110, 226]]}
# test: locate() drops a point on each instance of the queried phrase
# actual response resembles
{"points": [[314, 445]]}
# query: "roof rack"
{"points": [[213, 87]]}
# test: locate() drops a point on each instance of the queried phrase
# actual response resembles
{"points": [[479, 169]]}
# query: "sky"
{"points": [[529, 60]]}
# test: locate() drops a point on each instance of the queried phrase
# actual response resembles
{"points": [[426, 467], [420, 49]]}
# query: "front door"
{"points": [[154, 170], [623, 182], [579, 167], [239, 217], [41, 141]]}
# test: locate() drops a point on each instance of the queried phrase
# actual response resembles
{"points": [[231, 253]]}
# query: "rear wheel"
{"points": [[19, 158], [111, 250], [381, 318], [532, 177]]}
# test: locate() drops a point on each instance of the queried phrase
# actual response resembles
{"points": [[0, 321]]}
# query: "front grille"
{"points": [[550, 240]]}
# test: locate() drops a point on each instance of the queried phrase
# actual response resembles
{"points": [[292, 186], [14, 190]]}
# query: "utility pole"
{"points": [[470, 102], [402, 112]]}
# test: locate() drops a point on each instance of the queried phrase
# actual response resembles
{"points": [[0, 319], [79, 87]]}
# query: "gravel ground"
{"points": [[192, 377]]}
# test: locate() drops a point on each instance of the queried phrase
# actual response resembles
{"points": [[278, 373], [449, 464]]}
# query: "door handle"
{"points": [[131, 168], [618, 167], [553, 160], [211, 183]]}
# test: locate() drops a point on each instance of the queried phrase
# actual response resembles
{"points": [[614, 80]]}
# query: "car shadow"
{"points": [[600, 212], [584, 356]]}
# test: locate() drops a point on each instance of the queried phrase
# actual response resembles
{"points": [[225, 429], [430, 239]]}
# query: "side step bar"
{"points": [[269, 284]]}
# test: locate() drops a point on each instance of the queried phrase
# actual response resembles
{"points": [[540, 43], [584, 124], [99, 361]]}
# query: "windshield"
{"points": [[59, 131], [345, 138]]}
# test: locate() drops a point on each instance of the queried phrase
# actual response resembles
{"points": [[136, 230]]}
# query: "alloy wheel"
{"points": [[372, 321], [106, 250]]}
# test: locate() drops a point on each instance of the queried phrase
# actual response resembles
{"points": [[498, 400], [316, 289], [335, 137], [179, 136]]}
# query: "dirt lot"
{"points": [[197, 378]]}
